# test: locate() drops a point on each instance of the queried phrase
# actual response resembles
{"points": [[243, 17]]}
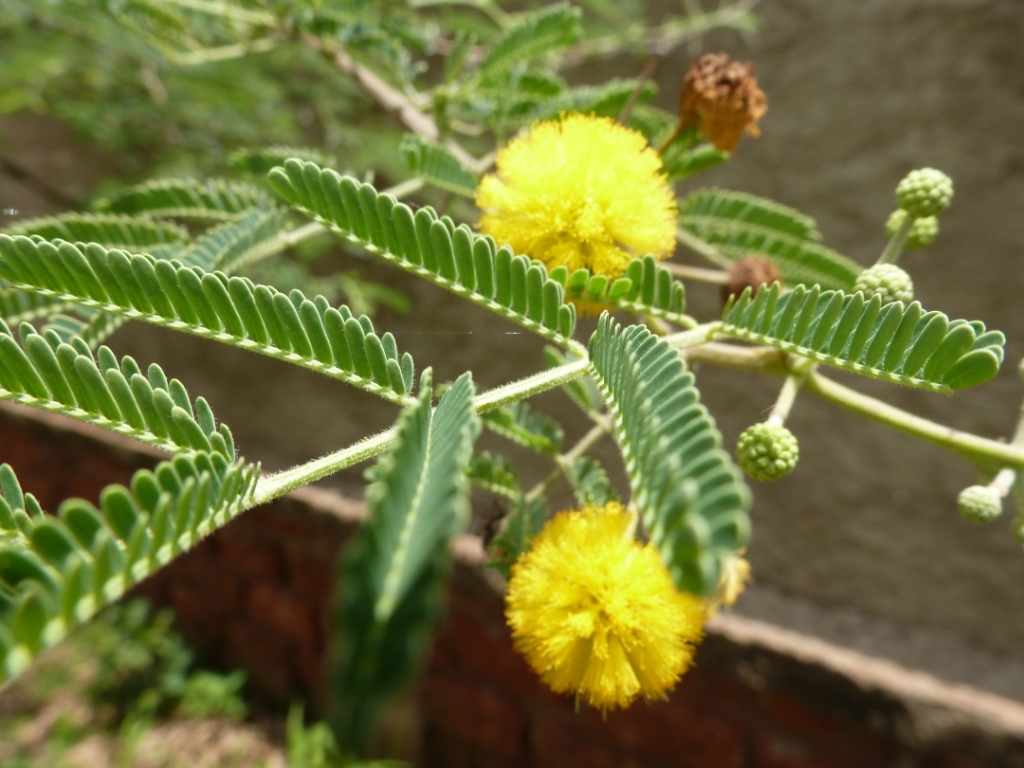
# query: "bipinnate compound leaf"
{"points": [[647, 287], [437, 166], [390, 585], [129, 233], [234, 244], [533, 35], [690, 496], [18, 306], [520, 525], [456, 258], [590, 482], [215, 199], [492, 473], [739, 225], [525, 425], [259, 161], [57, 571], [893, 342], [232, 310], [62, 375]]}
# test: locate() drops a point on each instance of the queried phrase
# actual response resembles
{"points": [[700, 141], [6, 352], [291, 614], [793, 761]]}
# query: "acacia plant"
{"points": [[576, 209]]}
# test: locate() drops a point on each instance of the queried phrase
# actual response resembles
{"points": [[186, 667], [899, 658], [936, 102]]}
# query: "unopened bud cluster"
{"points": [[885, 280], [979, 503], [767, 451], [923, 231], [925, 192]]}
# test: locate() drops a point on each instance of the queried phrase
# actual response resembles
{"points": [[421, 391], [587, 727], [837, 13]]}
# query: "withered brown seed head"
{"points": [[722, 99], [750, 271]]}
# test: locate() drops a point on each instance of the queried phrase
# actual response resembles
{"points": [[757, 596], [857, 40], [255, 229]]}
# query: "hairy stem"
{"points": [[272, 486], [698, 246], [698, 274], [567, 460]]}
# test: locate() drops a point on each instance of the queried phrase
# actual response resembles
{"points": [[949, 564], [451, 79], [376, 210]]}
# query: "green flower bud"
{"points": [[1017, 526], [979, 504], [922, 233], [767, 451], [888, 281], [925, 192]]}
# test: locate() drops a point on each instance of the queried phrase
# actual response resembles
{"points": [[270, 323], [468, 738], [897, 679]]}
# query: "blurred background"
{"points": [[862, 545]]}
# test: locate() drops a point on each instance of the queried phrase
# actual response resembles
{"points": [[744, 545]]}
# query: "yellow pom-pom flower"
{"points": [[582, 191], [596, 614]]}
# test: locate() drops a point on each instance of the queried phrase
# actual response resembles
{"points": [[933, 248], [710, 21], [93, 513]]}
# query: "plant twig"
{"points": [[698, 274]]}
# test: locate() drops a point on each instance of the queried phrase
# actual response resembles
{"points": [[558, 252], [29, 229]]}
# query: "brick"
{"points": [[249, 554], [670, 734], [478, 714], [285, 614], [558, 742], [266, 659]]}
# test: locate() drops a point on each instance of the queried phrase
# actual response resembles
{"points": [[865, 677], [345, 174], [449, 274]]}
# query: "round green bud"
{"points": [[979, 504], [925, 192], [1017, 527], [767, 451], [886, 280], [922, 232]]}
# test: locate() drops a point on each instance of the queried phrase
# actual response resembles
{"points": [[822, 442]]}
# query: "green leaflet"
{"points": [[17, 306], [536, 34], [259, 161], [92, 330], [739, 225], [391, 578], [209, 304], [188, 199], [62, 376], [57, 571], [492, 473], [437, 166], [453, 257], [590, 482], [521, 524], [526, 426], [690, 496], [647, 287], [128, 233], [904, 345], [254, 235]]}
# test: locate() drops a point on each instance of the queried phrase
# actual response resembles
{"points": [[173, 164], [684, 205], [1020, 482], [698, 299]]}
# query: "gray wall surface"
{"points": [[860, 92]]}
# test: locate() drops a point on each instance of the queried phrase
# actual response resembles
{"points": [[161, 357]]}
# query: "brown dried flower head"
{"points": [[722, 99], [750, 272]]}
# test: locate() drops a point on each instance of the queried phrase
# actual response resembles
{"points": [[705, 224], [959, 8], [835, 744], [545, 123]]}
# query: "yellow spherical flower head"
{"points": [[596, 614], [582, 191]]}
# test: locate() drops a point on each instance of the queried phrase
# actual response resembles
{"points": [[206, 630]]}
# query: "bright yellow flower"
{"points": [[596, 614], [582, 192]]}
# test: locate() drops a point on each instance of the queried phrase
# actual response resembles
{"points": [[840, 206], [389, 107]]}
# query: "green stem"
{"points": [[273, 486], [894, 247], [227, 11], [567, 460], [985, 453], [790, 389], [225, 52], [698, 246], [699, 274], [691, 338]]}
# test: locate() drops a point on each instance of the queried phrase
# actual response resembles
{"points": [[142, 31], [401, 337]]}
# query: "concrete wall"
{"points": [[863, 541]]}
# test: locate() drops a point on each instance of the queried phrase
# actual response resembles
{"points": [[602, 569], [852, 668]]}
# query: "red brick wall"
{"points": [[256, 595]]}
